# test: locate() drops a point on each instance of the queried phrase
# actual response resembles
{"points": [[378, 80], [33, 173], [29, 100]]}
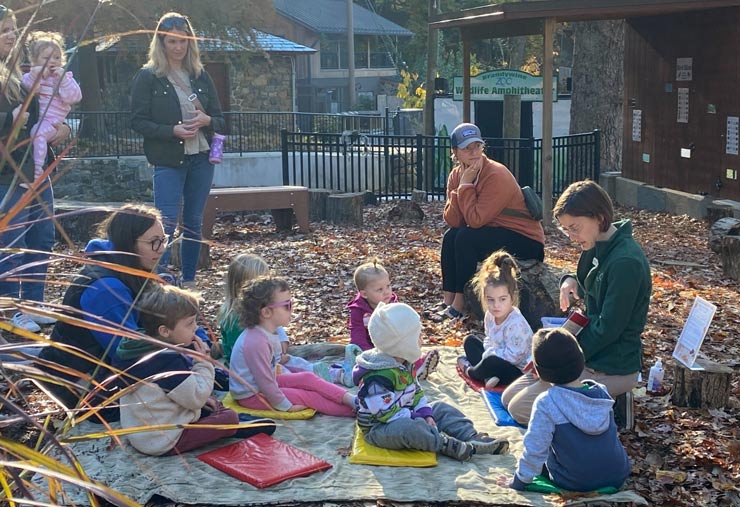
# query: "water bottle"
{"points": [[655, 378], [216, 155]]}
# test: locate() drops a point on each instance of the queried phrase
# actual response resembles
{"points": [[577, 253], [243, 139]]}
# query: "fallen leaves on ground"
{"points": [[680, 457]]}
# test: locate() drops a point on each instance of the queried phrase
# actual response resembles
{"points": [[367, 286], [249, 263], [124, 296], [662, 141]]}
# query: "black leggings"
{"points": [[492, 366], [463, 248]]}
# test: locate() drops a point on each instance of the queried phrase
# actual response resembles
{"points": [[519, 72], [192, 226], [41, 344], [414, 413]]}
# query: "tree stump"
{"points": [[317, 203], [419, 196], [727, 226], [406, 212], [730, 254], [345, 208], [539, 294], [706, 388]]}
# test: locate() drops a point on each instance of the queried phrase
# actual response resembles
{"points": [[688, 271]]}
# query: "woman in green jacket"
{"points": [[613, 277], [174, 105]]}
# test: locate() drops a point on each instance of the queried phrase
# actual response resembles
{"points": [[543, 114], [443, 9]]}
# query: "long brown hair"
{"points": [[499, 269]]}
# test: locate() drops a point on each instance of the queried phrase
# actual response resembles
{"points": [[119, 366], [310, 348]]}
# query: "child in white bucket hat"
{"points": [[393, 411]]}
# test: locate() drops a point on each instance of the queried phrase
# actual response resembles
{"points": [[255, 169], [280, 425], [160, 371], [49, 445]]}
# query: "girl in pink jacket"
{"points": [[264, 305]]}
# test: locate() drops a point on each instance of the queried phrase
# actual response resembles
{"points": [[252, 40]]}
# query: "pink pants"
{"points": [[193, 438], [306, 388], [41, 133]]}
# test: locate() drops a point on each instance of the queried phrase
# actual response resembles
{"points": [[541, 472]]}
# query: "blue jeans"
{"points": [[184, 188], [36, 232]]}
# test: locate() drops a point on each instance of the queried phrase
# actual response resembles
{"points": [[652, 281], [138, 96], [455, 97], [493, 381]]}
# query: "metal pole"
{"points": [[350, 57]]}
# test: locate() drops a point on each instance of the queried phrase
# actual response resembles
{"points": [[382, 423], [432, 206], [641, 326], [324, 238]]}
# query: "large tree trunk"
{"points": [[598, 85], [90, 85]]}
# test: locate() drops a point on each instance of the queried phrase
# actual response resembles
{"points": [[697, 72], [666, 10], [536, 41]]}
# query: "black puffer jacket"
{"points": [[155, 110], [24, 150]]}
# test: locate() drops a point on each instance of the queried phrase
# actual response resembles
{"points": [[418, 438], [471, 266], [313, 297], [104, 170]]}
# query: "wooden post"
{"points": [[466, 79], [547, 70], [705, 388]]}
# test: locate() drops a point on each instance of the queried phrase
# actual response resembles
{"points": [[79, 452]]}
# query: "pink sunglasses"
{"points": [[287, 304]]}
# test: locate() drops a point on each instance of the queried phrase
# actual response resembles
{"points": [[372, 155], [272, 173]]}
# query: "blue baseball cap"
{"points": [[464, 134]]}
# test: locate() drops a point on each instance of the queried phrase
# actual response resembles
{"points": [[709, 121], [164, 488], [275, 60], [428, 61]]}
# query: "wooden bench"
{"points": [[256, 198]]}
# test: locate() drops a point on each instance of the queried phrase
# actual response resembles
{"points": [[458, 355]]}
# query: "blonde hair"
{"points": [[10, 68], [38, 41], [243, 268], [498, 270], [158, 63], [367, 272], [165, 305]]}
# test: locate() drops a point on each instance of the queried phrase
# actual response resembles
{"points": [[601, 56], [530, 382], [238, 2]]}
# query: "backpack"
{"points": [[533, 203]]}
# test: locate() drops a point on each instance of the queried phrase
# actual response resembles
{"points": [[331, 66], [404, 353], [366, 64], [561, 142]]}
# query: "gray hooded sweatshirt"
{"points": [[572, 430]]}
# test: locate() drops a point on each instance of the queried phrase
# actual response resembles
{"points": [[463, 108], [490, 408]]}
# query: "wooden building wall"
{"points": [[652, 45]]}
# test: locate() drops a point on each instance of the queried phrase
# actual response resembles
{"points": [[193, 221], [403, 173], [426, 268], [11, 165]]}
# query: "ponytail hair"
{"points": [[499, 269]]}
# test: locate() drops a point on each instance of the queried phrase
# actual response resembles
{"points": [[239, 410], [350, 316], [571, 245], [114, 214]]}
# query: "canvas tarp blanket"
{"points": [[187, 480]]}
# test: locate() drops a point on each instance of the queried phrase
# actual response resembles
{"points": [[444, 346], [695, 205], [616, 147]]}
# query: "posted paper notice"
{"points": [[694, 331]]}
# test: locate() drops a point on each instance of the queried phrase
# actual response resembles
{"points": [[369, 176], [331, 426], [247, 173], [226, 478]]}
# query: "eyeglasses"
{"points": [[568, 231], [475, 146], [157, 243], [3, 12], [174, 22], [287, 304]]}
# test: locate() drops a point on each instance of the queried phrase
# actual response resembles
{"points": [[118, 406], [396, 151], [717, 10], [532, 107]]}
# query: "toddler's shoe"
{"points": [[257, 425], [486, 444], [428, 365], [23, 321], [336, 374], [322, 370], [463, 364], [351, 352], [492, 382], [456, 449]]}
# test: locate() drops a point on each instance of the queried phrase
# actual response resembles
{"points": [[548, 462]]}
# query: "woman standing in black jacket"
{"points": [[175, 107]]}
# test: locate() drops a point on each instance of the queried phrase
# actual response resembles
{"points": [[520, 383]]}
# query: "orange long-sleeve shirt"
{"points": [[480, 203]]}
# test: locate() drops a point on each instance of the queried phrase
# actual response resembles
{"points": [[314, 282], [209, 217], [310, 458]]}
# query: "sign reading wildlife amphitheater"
{"points": [[493, 85]]}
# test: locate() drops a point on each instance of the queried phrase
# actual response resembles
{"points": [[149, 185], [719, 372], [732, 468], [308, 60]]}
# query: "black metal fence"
{"points": [[108, 133], [393, 166]]}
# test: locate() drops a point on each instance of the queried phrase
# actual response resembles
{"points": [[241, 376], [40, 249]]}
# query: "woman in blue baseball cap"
{"points": [[485, 211]]}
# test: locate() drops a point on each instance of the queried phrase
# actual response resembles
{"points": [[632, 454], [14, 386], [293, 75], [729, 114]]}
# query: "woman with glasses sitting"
{"points": [[486, 212], [174, 105], [613, 278], [104, 296]]}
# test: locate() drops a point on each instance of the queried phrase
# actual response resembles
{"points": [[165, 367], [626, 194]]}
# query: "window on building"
{"points": [[370, 53]]}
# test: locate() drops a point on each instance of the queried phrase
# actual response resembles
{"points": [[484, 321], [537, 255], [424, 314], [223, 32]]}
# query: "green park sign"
{"points": [[493, 85]]}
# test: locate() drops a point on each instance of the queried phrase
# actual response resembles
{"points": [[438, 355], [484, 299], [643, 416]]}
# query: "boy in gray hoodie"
{"points": [[572, 429]]}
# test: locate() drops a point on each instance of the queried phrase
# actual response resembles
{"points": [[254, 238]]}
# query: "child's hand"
{"points": [[430, 421], [211, 404], [284, 358], [297, 408], [23, 118], [200, 346]]}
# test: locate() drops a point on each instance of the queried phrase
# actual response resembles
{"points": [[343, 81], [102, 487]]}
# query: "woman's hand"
{"points": [[184, 132], [297, 408], [567, 288], [198, 120], [23, 116], [430, 421], [471, 172]]}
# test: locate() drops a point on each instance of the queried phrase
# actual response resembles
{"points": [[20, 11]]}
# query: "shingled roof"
{"points": [[330, 17]]}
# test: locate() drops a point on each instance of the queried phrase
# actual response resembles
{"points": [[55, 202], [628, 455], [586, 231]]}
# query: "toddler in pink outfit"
{"points": [[56, 89]]}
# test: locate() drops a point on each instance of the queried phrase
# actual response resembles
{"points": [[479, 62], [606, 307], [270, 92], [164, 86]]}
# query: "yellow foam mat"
{"points": [[231, 403], [364, 453]]}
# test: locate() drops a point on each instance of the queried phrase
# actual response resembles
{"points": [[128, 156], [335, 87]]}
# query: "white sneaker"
{"points": [[22, 321], [42, 320]]}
